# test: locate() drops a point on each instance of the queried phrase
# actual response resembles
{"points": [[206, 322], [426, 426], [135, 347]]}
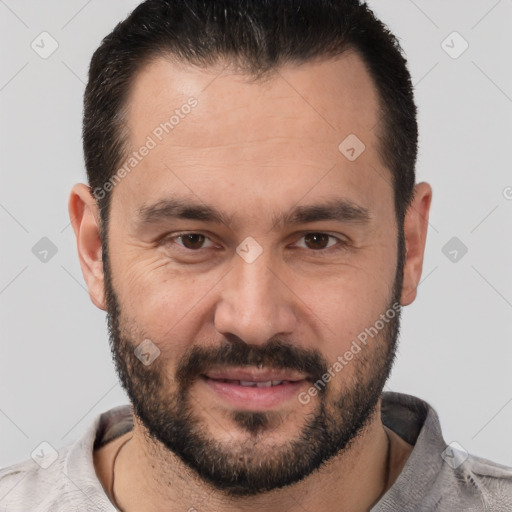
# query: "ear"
{"points": [[85, 219], [415, 229]]}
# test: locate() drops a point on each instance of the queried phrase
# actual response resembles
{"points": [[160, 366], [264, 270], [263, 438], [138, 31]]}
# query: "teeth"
{"points": [[254, 384], [248, 383], [265, 384]]}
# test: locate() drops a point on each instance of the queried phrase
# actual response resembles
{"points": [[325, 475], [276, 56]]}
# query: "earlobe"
{"points": [[415, 229], [84, 215]]}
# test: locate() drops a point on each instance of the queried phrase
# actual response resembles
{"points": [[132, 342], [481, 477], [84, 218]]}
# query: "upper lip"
{"points": [[254, 375]]}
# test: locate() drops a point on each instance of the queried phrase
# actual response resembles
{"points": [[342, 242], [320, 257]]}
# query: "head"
{"points": [[251, 205]]}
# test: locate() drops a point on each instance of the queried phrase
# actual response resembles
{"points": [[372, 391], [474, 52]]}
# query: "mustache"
{"points": [[275, 354]]}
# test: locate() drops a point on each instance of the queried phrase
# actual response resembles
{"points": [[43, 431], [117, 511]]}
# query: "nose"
{"points": [[255, 302]]}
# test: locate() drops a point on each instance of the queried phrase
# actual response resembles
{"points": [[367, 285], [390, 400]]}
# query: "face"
{"points": [[254, 265]]}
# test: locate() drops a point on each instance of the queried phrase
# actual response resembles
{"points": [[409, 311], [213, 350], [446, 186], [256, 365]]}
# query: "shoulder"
{"points": [[438, 476], [490, 481], [28, 485], [476, 485], [63, 480]]}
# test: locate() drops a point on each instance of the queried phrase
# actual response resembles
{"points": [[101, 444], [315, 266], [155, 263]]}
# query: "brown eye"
{"points": [[192, 240], [317, 241]]}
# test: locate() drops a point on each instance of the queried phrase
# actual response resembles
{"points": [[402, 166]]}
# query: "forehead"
{"points": [[216, 133], [337, 93]]}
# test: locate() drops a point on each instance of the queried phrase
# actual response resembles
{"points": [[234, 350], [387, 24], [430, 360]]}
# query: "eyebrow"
{"points": [[336, 209]]}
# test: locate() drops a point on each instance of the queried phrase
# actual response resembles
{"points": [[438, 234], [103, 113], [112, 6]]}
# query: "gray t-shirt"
{"points": [[436, 477]]}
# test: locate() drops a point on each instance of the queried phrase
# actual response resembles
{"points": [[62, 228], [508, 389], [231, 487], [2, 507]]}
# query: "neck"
{"points": [[148, 477]]}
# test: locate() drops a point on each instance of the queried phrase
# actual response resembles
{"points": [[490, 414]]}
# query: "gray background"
{"points": [[55, 368]]}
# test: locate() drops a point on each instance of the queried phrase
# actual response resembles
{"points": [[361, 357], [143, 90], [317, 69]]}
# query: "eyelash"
{"points": [[340, 245]]}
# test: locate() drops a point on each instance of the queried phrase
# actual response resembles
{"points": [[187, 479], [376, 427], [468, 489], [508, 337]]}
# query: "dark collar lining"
{"points": [[404, 414], [113, 424]]}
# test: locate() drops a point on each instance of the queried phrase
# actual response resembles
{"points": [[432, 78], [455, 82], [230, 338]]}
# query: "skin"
{"points": [[253, 149]]}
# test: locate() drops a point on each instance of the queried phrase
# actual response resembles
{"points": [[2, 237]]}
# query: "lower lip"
{"points": [[254, 398]]}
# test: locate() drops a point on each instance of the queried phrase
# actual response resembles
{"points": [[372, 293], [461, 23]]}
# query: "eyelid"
{"points": [[184, 233], [340, 245]]}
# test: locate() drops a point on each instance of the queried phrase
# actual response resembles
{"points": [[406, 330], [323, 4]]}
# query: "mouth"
{"points": [[255, 384], [254, 389], [255, 375]]}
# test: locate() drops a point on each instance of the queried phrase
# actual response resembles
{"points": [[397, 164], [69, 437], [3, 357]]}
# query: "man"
{"points": [[252, 227]]}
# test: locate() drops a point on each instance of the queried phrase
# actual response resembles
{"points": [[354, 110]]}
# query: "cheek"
{"points": [[349, 303], [166, 306], [148, 286]]}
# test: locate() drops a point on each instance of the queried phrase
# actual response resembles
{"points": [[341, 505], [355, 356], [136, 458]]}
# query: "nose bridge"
{"points": [[254, 304]]}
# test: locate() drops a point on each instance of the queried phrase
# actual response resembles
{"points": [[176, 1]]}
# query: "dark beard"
{"points": [[244, 469]]}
